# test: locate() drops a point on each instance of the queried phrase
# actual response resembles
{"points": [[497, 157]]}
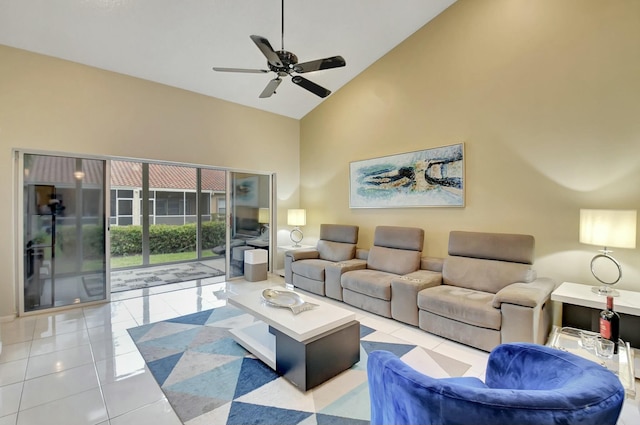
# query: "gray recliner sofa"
{"points": [[307, 268], [388, 283], [489, 294]]}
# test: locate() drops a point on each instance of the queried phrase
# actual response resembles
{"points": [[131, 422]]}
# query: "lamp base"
{"points": [[605, 291], [296, 237]]}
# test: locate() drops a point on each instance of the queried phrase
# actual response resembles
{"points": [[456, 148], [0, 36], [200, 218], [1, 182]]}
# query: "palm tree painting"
{"points": [[427, 178]]}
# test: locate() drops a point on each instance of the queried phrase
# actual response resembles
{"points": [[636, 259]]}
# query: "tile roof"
{"points": [[60, 170]]}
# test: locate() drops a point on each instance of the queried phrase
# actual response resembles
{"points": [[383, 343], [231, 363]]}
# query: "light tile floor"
{"points": [[81, 367]]}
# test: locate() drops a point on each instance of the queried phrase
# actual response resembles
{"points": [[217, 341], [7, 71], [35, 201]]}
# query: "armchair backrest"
{"points": [[488, 261], [396, 249], [337, 242], [534, 384]]}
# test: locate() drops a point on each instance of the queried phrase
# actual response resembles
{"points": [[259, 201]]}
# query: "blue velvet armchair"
{"points": [[525, 384]]}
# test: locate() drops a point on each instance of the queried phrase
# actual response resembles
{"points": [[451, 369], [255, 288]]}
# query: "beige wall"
{"points": [[54, 105], [545, 95]]}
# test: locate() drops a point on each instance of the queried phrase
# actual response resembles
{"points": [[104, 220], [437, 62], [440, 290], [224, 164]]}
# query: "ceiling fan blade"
{"points": [[251, 71], [271, 88], [311, 86], [319, 64], [267, 50]]}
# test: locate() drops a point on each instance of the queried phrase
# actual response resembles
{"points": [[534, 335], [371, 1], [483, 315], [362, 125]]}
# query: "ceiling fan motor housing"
{"points": [[288, 59]]}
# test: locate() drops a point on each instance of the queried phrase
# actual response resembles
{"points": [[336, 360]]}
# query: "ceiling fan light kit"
{"points": [[285, 63]]}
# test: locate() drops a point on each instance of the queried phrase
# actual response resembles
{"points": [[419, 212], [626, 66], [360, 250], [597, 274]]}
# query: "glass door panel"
{"points": [[125, 217], [173, 235], [63, 231], [249, 217], [212, 217]]}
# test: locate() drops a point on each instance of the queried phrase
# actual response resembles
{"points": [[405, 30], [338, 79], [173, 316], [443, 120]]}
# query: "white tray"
{"points": [[286, 299]]}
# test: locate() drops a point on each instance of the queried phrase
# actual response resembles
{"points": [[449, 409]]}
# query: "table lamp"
{"points": [[296, 217], [609, 229]]}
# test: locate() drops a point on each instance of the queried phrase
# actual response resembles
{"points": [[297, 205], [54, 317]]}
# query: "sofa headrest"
{"points": [[410, 238], [493, 246], [344, 233]]}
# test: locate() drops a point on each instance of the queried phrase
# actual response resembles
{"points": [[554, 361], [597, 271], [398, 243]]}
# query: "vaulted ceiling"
{"points": [[178, 42]]}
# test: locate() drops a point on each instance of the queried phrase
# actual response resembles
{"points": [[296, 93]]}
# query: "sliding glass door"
{"points": [[156, 213], [164, 214], [63, 231]]}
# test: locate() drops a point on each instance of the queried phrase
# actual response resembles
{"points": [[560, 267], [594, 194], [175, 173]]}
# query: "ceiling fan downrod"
{"points": [[282, 26]]}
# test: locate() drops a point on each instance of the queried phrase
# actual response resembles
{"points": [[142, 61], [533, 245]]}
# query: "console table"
{"points": [[581, 309]]}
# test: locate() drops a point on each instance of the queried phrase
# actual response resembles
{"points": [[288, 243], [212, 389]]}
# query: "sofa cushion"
{"points": [[411, 238], [373, 283], [493, 246], [335, 251], [312, 268], [339, 233], [484, 275], [398, 261], [311, 285], [461, 304]]}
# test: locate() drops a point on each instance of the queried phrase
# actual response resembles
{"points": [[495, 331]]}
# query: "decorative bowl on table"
{"points": [[286, 299]]}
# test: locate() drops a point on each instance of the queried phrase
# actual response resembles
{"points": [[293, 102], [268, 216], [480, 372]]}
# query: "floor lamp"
{"points": [[609, 229], [296, 217]]}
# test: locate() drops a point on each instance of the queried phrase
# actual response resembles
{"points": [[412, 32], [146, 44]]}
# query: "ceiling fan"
{"points": [[285, 63]]}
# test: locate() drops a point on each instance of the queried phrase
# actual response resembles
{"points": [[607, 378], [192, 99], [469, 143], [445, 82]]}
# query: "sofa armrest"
{"points": [[404, 293], [302, 254], [295, 255], [421, 279], [348, 265], [532, 294], [333, 275], [433, 264]]}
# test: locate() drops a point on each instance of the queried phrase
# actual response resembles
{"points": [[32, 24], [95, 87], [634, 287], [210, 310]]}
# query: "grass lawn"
{"points": [[67, 265], [136, 260]]}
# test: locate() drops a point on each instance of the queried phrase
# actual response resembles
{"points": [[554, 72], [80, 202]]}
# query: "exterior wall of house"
{"points": [[53, 105], [126, 208], [544, 94]]}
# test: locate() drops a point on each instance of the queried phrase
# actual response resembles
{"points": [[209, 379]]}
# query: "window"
{"points": [[122, 207], [169, 203], [113, 209], [125, 207], [190, 199]]}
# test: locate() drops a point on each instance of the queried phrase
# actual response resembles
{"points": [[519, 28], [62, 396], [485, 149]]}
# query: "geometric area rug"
{"points": [[209, 379], [124, 280]]}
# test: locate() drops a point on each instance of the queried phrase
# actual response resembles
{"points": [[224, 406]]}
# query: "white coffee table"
{"points": [[306, 348]]}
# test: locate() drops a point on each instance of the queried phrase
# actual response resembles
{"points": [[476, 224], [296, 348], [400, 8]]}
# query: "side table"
{"points": [[581, 309]]}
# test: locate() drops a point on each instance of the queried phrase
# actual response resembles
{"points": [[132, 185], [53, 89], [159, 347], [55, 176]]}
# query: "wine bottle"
{"points": [[610, 324]]}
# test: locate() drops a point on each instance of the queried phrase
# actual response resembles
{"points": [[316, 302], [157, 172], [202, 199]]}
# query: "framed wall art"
{"points": [[427, 178]]}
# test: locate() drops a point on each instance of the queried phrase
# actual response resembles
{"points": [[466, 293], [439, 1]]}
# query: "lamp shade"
{"points": [[608, 228], [263, 215], [297, 217]]}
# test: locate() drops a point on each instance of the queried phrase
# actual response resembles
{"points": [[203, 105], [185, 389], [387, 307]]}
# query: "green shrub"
{"points": [[92, 240], [165, 238], [127, 240]]}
